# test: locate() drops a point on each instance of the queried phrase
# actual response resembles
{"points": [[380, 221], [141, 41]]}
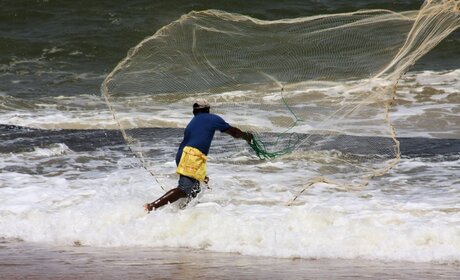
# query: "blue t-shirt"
{"points": [[200, 131]]}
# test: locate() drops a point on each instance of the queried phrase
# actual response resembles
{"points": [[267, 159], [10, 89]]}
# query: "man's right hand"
{"points": [[237, 133]]}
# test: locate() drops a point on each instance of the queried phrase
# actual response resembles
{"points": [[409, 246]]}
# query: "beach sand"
{"points": [[20, 260]]}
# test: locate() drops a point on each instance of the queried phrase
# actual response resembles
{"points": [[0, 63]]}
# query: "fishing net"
{"points": [[315, 90]]}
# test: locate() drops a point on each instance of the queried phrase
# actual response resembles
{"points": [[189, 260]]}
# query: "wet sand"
{"points": [[19, 260]]}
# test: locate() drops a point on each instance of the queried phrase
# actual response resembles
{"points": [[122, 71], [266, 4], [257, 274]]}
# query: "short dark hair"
{"points": [[201, 110]]}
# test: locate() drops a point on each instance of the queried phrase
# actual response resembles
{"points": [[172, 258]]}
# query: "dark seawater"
{"points": [[53, 48], [16, 139]]}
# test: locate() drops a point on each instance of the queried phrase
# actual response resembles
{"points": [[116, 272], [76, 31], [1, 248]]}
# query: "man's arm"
{"points": [[237, 133]]}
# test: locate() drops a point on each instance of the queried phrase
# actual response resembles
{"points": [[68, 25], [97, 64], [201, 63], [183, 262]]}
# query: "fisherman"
{"points": [[191, 156]]}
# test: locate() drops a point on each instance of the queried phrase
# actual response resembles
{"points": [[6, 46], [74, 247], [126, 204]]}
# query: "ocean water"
{"points": [[67, 178]]}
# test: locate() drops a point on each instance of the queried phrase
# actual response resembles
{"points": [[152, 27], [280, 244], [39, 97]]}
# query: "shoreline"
{"points": [[23, 260]]}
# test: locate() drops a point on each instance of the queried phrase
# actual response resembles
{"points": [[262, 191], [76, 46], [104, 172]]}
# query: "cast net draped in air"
{"points": [[317, 89]]}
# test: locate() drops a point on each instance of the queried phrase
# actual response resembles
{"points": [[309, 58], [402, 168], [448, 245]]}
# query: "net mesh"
{"points": [[315, 89]]}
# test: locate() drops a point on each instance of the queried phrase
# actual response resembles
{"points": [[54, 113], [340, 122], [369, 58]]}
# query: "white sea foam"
{"points": [[396, 218], [427, 106], [57, 149]]}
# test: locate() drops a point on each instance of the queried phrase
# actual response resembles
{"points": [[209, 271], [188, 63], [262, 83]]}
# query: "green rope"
{"points": [[261, 148]]}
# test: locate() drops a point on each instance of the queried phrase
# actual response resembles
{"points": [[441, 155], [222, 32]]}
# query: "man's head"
{"points": [[201, 105]]}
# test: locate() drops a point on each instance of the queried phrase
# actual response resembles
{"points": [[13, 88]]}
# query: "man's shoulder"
{"points": [[216, 121], [215, 116], [210, 116]]}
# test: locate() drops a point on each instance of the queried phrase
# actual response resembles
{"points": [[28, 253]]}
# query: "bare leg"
{"points": [[169, 197]]}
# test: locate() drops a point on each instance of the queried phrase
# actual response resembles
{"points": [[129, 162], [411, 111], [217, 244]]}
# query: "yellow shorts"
{"points": [[192, 163]]}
